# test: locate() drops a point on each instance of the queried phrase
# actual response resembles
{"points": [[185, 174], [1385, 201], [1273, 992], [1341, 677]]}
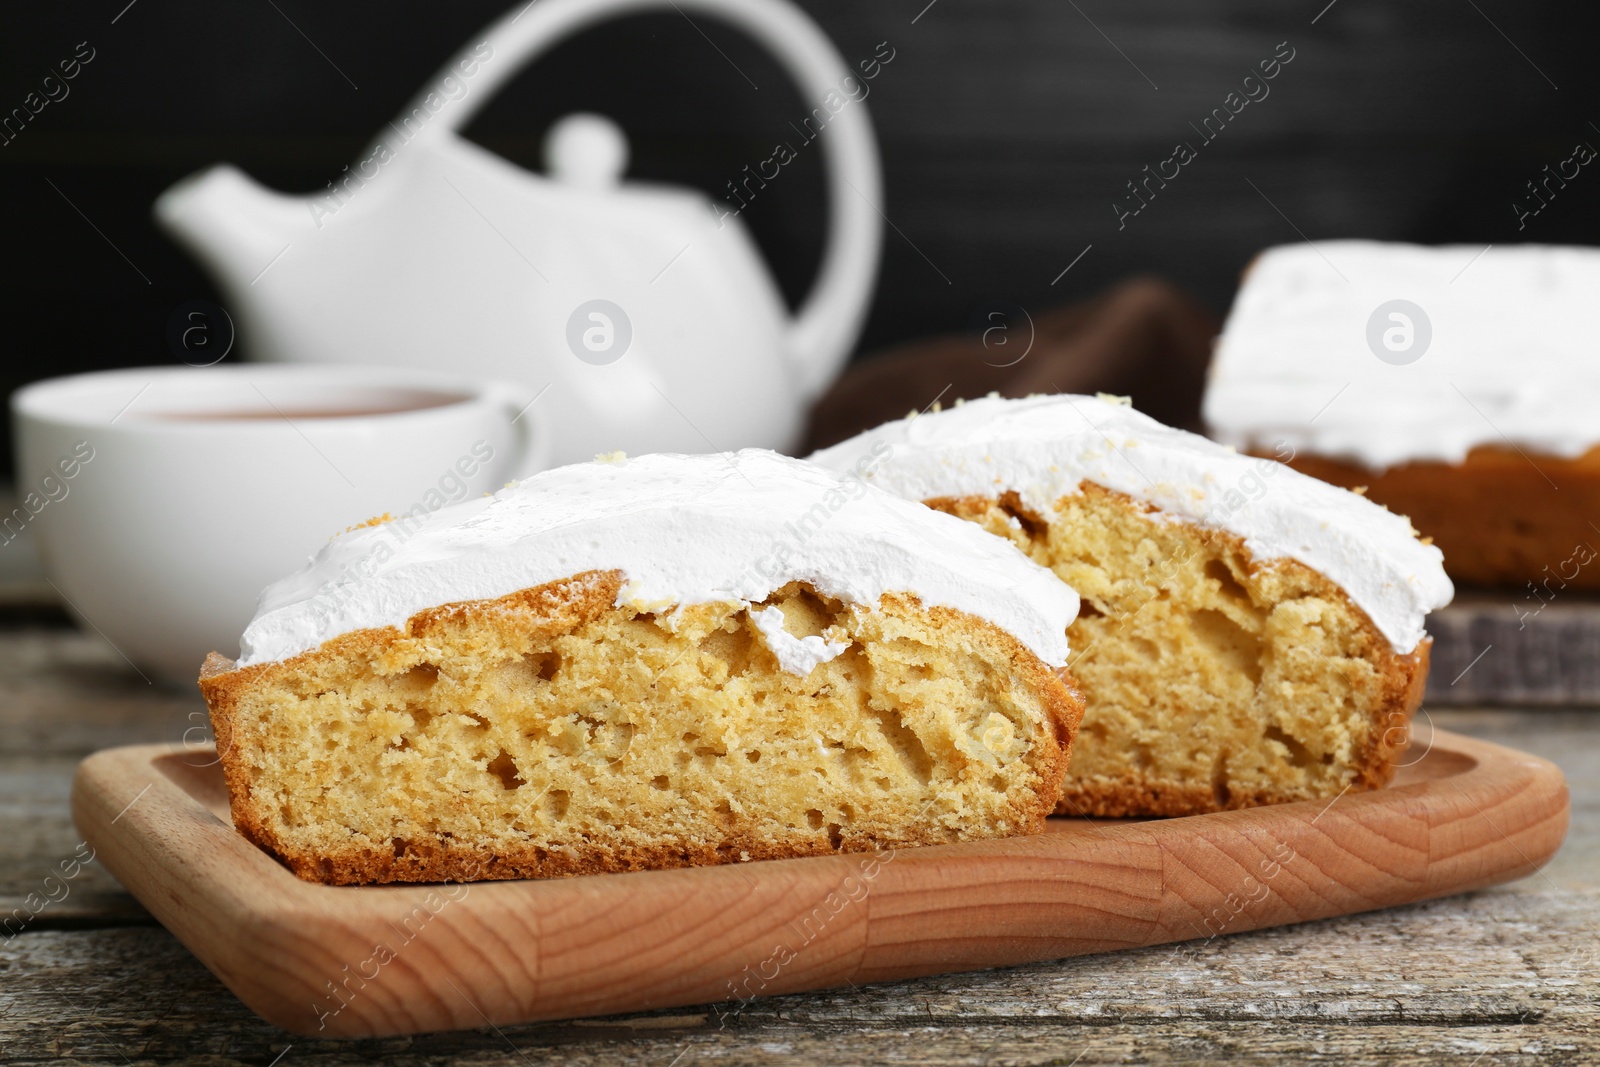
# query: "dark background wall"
{"points": [[1009, 127]]}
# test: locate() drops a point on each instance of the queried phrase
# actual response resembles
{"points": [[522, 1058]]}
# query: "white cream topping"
{"points": [[1043, 447], [1514, 354], [684, 530], [797, 655]]}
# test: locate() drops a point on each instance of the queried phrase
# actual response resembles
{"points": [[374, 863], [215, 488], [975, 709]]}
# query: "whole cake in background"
{"points": [[1248, 635], [648, 662], [1459, 384]]}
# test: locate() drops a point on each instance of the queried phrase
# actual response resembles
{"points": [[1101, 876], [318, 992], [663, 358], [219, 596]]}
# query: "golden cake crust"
{"points": [[544, 613], [1499, 515], [1398, 679]]}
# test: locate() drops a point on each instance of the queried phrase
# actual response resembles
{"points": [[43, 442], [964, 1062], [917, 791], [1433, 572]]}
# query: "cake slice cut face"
{"points": [[660, 662], [1248, 635]]}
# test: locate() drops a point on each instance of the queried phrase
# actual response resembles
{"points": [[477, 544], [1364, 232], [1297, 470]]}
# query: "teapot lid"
{"points": [[586, 150]]}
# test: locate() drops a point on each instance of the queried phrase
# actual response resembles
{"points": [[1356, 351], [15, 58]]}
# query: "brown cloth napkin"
{"points": [[1143, 338]]}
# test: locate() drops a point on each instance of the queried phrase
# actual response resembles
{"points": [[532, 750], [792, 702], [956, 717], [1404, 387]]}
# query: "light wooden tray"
{"points": [[377, 960]]}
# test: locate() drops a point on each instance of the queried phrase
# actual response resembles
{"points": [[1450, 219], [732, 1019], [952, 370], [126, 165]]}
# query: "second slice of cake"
{"points": [[656, 662], [1248, 634]]}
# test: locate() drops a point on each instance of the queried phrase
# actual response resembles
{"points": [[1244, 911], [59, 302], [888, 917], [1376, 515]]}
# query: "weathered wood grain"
{"points": [[1497, 977], [37, 837], [1515, 648], [65, 692]]}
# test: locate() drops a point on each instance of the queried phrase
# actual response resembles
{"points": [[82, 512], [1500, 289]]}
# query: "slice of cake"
{"points": [[651, 662], [1457, 383], [1248, 635]]}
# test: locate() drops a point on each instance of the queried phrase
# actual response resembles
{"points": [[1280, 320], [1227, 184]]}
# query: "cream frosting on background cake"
{"points": [[1515, 332], [648, 662], [1487, 439], [1248, 634]]}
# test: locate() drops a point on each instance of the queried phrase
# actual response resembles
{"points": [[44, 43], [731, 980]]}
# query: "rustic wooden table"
{"points": [[1506, 976]]}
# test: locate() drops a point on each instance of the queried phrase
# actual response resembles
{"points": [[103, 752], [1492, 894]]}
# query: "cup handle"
{"points": [[532, 433]]}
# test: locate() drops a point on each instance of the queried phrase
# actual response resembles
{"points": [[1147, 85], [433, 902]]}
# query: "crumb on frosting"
{"points": [[376, 520], [611, 457]]}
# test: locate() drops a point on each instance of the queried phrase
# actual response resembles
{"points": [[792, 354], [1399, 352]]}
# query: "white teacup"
{"points": [[165, 498]]}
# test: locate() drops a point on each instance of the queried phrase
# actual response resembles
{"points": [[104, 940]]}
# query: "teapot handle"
{"points": [[830, 320]]}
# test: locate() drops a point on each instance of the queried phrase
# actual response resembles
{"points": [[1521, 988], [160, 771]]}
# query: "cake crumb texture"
{"points": [[1212, 681], [552, 732]]}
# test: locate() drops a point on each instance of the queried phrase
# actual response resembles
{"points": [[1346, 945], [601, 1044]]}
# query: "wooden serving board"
{"points": [[379, 960]]}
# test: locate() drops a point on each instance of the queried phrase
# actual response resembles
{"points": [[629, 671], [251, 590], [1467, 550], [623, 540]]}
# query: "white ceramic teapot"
{"points": [[643, 312]]}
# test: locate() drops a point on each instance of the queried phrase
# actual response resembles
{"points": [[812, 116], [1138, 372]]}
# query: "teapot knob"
{"points": [[586, 150]]}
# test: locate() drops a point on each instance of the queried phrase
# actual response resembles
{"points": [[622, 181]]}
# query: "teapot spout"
{"points": [[229, 222]]}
